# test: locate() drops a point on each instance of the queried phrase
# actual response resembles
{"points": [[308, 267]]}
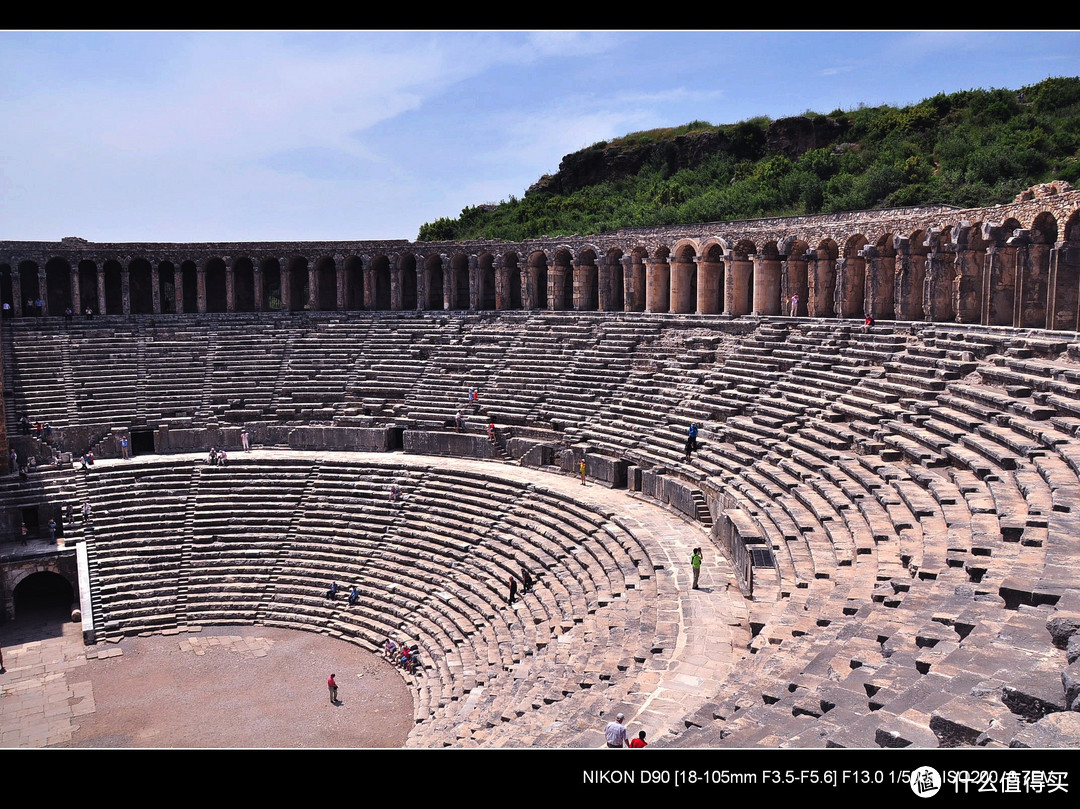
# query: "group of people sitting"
{"points": [[404, 656], [354, 594], [217, 457]]}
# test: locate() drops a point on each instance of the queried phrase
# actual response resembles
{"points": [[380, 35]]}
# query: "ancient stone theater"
{"points": [[887, 407]]}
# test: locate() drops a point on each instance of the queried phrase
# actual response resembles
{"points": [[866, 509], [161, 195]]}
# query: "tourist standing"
{"points": [[695, 563]]}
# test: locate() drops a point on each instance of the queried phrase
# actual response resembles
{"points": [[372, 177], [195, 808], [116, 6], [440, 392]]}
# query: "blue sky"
{"points": [[174, 136]]}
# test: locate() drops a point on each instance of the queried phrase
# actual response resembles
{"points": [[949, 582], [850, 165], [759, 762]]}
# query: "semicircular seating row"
{"points": [[259, 541]]}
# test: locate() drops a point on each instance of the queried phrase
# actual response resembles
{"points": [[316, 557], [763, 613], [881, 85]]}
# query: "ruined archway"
{"points": [[57, 286], [270, 269], [353, 291], [216, 286], [243, 275], [43, 593], [325, 284]]}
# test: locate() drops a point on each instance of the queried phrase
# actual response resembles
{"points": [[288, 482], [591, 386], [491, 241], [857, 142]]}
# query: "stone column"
{"points": [[939, 288], [475, 287], [200, 288], [873, 288], [16, 291], [793, 281], [178, 286], [908, 280], [395, 283], [286, 285], [999, 278], [737, 285], [257, 284], [967, 274], [313, 288], [1034, 300], [367, 278], [709, 287], [683, 284], [155, 288], [657, 286], [43, 287], [557, 280], [850, 286], [1062, 308], [339, 281], [448, 284], [101, 288], [502, 284], [76, 292], [230, 284], [766, 285], [125, 290], [632, 294]]}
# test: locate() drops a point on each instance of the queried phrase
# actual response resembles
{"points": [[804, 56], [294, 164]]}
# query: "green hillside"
{"points": [[971, 148]]}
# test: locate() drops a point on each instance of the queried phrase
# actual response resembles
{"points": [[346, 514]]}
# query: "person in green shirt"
{"points": [[695, 562]]}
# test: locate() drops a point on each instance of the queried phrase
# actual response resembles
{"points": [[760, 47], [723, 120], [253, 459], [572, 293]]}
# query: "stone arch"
{"points": [[40, 588], [1034, 272], [793, 277], [969, 264], [821, 279], [28, 286], [325, 275], [409, 282], [611, 282], [296, 285], [1000, 274], [114, 287], [880, 285], [487, 285], [460, 294], [140, 292], [217, 295], [683, 277], [939, 277], [1064, 303], [635, 275], [538, 280], [57, 286], [88, 286], [433, 284], [6, 291], [910, 275], [352, 297], [381, 286], [243, 275], [272, 293], [586, 286], [851, 278]]}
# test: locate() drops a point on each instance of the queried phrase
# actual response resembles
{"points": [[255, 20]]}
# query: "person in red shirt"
{"points": [[331, 683], [639, 741]]}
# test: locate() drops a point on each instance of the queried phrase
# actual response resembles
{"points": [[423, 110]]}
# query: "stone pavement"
{"points": [[43, 694], [43, 690]]}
